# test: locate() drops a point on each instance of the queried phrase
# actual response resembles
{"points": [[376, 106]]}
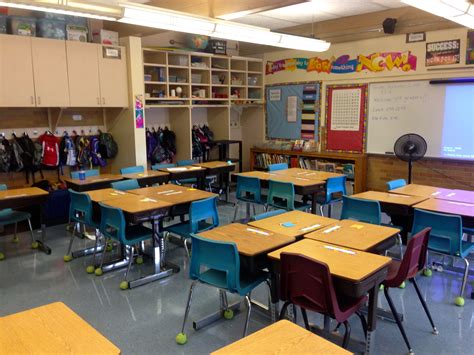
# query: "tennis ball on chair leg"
{"points": [[124, 285], [90, 269], [459, 301], [181, 339], [98, 272], [427, 272], [139, 260], [34, 245], [228, 314], [2, 256], [15, 239], [402, 285], [67, 258]]}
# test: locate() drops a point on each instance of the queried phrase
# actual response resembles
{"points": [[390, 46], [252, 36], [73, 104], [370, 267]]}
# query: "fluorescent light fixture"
{"points": [[58, 9], [234, 15], [156, 17], [460, 11]]}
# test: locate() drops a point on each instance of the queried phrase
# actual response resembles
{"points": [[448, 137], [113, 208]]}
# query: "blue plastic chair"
{"points": [[334, 185], [162, 166], [186, 162], [266, 215], [222, 270], [114, 227], [281, 195], [200, 212], [249, 192], [279, 166], [89, 173], [81, 214], [445, 238], [358, 209], [125, 185], [9, 216], [395, 184], [132, 170]]}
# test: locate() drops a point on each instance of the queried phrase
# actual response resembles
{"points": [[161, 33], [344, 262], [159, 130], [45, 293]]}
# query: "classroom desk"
{"points": [[303, 186], [303, 223], [459, 196], [26, 197], [149, 177], [106, 194], [174, 194], [187, 172], [283, 337], [354, 273], [357, 235], [220, 168], [308, 174], [92, 182], [51, 329], [422, 190], [463, 209]]}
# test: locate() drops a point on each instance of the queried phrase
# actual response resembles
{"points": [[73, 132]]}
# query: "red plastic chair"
{"points": [[413, 262], [308, 284]]}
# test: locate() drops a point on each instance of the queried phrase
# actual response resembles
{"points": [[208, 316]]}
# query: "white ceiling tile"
{"points": [[265, 21]]}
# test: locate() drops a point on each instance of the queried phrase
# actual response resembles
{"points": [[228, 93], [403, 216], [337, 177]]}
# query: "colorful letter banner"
{"points": [[375, 62]]}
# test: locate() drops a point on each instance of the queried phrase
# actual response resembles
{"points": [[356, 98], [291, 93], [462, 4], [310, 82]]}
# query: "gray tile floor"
{"points": [[145, 320]]}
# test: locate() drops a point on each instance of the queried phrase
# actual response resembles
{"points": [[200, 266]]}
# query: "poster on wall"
{"points": [[345, 110], [470, 47], [443, 52], [139, 119]]}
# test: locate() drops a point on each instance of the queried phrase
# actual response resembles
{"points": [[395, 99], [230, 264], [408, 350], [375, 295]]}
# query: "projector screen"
{"points": [[443, 114]]}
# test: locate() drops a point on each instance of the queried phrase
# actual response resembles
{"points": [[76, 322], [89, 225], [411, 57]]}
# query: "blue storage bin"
{"points": [[21, 26], [49, 28]]}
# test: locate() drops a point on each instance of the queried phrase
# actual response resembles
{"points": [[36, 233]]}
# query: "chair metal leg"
{"points": [[107, 240], [400, 245], [397, 319], [330, 210], [253, 208], [236, 209], [131, 250], [15, 238], [363, 322], [96, 245], [185, 243], [321, 210], [466, 274], [283, 310], [188, 305], [31, 231], [305, 318], [425, 306], [347, 334], [249, 309], [73, 235]]}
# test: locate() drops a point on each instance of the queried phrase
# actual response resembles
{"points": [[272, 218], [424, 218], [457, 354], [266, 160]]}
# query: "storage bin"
{"points": [[178, 60], [252, 80], [76, 33], [196, 78], [21, 26], [105, 37], [173, 78], [3, 24], [49, 28], [148, 77]]}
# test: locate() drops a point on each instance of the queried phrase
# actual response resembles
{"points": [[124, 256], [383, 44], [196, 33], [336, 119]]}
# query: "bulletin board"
{"points": [[292, 111], [346, 118]]}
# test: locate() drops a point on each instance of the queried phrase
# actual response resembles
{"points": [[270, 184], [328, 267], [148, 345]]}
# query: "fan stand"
{"points": [[409, 170]]}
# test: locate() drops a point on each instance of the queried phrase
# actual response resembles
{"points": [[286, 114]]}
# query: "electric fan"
{"points": [[410, 147]]}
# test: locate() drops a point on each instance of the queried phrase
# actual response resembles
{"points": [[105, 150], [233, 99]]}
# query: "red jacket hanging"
{"points": [[50, 149]]}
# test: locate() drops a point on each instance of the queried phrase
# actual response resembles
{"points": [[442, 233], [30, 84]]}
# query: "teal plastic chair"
{"points": [[132, 170], [162, 166], [395, 184], [125, 185], [186, 162], [334, 185], [114, 227], [200, 212], [9, 216], [249, 192], [221, 263], [81, 214], [266, 215], [281, 195], [446, 239], [279, 166], [89, 173]]}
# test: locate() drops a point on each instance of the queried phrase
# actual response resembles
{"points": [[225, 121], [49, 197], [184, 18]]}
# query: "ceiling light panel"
{"points": [[459, 11]]}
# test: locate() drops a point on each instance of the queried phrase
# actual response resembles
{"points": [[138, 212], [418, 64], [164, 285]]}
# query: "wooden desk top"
{"points": [[353, 234], [214, 164], [306, 173], [22, 193], [106, 194], [137, 204], [388, 197], [173, 194], [422, 190], [145, 174], [451, 207], [250, 241], [353, 265], [181, 169], [296, 180], [51, 329], [303, 223], [282, 337], [459, 196], [94, 179]]}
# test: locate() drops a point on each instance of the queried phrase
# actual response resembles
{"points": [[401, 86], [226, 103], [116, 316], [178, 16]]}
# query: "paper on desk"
{"points": [[174, 193], [357, 226], [164, 192], [146, 199], [177, 169], [257, 231], [451, 194], [310, 227], [332, 229], [435, 193], [339, 249], [13, 196], [397, 195], [460, 203]]}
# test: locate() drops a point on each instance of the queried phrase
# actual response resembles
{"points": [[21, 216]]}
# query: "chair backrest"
{"points": [[361, 210], [186, 162], [203, 210], [162, 166], [281, 190], [413, 258], [248, 189], [80, 207], [3, 187], [264, 215], [307, 283], [279, 166], [218, 256], [335, 185], [91, 172], [446, 230], [112, 223], [132, 170], [124, 185], [395, 184]]}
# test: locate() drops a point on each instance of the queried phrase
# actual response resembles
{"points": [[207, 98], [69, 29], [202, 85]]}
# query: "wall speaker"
{"points": [[389, 25]]}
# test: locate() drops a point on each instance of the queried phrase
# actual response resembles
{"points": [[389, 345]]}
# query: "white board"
{"points": [[442, 114]]}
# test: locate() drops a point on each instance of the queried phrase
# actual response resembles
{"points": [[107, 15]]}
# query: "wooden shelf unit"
{"points": [[359, 161]]}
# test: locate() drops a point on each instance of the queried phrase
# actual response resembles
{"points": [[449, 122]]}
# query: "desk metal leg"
{"points": [[372, 320], [314, 205]]}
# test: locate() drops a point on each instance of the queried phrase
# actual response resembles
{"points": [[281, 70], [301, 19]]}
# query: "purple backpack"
{"points": [[94, 147]]}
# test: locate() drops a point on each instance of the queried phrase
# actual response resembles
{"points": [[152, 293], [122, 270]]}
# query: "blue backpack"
{"points": [[151, 143], [94, 151]]}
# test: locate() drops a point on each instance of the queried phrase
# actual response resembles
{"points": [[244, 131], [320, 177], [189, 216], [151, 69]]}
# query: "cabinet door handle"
{"points": [[39, 100], [103, 101], [32, 100], [98, 101]]}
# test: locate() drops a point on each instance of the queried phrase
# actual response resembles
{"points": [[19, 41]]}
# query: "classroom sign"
{"points": [[375, 62], [443, 53]]}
